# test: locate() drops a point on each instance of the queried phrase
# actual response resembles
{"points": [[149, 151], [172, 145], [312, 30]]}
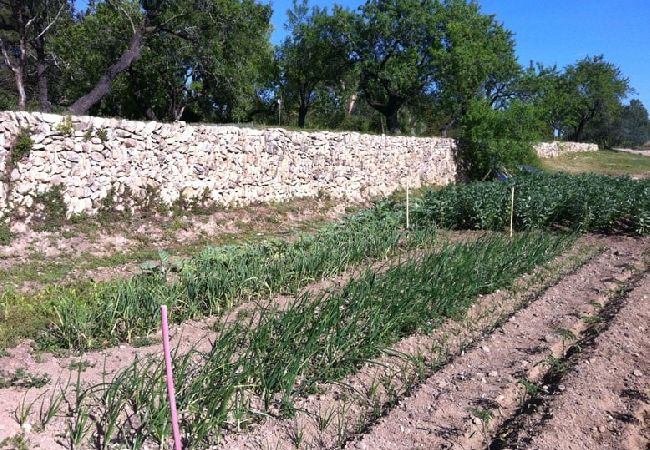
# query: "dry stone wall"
{"points": [[557, 148], [91, 158]]}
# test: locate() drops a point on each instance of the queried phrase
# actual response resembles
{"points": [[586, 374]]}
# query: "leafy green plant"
{"points": [[102, 134], [493, 140], [23, 379], [22, 146], [588, 203], [52, 211], [5, 234]]}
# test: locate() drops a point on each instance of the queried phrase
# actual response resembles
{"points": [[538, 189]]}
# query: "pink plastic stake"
{"points": [[170, 378]]}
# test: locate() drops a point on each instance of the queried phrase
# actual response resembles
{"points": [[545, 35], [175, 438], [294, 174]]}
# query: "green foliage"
{"points": [[578, 202], [22, 146], [5, 233], [221, 277], [102, 134], [50, 210], [20, 378], [314, 60], [492, 139], [633, 127], [66, 128]]}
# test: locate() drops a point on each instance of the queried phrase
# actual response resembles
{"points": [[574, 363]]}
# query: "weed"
{"points": [[531, 389], [482, 414], [591, 319], [22, 379], [555, 364], [145, 341], [15, 442], [22, 146], [5, 234], [82, 365], [65, 127], [102, 134], [88, 134], [51, 210]]}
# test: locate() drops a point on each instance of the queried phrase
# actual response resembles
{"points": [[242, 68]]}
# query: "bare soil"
{"points": [[100, 252], [464, 405]]}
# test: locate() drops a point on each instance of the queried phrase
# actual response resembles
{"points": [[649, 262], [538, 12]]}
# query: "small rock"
{"points": [[637, 373]]}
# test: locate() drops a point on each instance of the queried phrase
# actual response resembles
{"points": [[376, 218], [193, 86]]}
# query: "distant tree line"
{"points": [[417, 67]]}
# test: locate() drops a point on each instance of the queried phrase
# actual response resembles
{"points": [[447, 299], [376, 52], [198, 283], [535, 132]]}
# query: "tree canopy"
{"points": [[409, 66]]}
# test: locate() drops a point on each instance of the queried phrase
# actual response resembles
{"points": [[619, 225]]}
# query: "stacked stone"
{"points": [[222, 165]]}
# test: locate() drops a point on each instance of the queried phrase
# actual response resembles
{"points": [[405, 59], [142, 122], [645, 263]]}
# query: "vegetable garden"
{"points": [[278, 336]]}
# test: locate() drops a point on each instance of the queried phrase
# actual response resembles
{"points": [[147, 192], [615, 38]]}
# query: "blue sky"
{"points": [[558, 32]]}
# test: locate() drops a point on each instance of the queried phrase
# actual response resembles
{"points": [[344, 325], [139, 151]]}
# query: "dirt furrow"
{"points": [[329, 419], [462, 405], [598, 397]]}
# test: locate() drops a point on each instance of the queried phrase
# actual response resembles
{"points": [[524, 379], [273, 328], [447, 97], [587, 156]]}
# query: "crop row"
{"points": [[259, 365], [589, 203], [106, 313]]}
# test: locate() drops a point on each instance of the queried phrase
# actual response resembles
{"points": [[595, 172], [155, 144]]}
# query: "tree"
{"points": [[315, 57], [447, 50], [477, 60], [634, 125], [494, 139], [24, 28], [595, 89], [206, 60], [395, 44]]}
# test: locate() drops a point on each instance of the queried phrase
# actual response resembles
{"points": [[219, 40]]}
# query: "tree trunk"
{"points": [[19, 76], [392, 121], [302, 114], [103, 86], [41, 75]]}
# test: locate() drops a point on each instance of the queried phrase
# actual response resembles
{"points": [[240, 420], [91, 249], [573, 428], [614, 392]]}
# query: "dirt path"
{"points": [[633, 151], [465, 403], [602, 397]]}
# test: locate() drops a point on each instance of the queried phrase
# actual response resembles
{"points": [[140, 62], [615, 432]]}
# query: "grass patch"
{"points": [[604, 162]]}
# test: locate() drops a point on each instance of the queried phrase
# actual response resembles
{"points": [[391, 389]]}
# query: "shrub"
{"points": [[492, 139], [52, 214]]}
